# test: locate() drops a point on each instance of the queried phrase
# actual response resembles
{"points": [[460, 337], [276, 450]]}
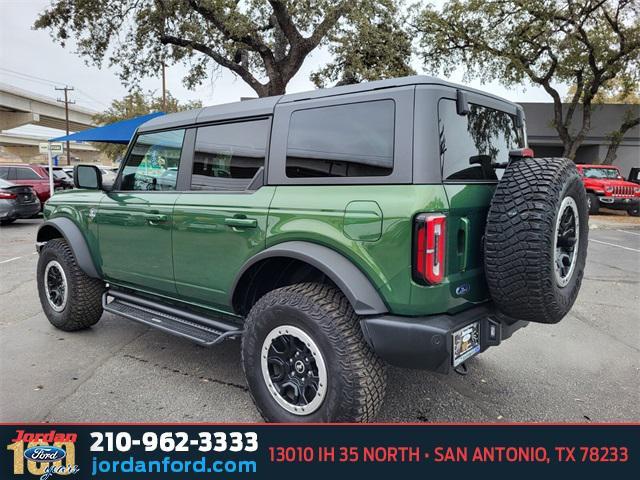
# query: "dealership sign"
{"points": [[54, 147]]}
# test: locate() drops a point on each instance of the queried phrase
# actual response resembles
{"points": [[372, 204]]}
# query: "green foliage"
{"points": [[373, 45], [133, 105], [585, 43], [264, 42]]}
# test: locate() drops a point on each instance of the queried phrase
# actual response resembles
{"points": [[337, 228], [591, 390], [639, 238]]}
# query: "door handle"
{"points": [[241, 222], [463, 244], [155, 219]]}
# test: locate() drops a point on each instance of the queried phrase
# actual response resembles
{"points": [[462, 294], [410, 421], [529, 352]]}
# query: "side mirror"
{"points": [[87, 176], [462, 105]]}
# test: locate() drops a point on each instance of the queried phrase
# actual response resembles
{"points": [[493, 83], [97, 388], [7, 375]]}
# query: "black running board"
{"points": [[202, 330]]}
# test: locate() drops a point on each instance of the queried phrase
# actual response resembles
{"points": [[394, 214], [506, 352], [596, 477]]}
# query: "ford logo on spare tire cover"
{"points": [[44, 454]]}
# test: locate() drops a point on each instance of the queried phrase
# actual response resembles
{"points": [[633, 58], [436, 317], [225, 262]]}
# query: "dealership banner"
{"points": [[394, 451]]}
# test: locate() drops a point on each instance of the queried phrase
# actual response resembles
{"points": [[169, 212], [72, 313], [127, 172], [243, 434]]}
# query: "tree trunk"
{"points": [[571, 148], [616, 139]]}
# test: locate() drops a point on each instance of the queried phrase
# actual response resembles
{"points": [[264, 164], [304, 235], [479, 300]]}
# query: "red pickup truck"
{"points": [[606, 187]]}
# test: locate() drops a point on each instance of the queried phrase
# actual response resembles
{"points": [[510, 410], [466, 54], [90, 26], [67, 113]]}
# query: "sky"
{"points": [[31, 60]]}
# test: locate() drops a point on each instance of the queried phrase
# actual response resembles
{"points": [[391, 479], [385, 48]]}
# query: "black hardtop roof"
{"points": [[265, 106]]}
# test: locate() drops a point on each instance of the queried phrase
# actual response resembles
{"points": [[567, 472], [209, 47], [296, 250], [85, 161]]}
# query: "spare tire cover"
{"points": [[536, 238]]}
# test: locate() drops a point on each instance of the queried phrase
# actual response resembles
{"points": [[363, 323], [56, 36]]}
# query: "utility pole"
{"points": [[66, 115], [164, 89]]}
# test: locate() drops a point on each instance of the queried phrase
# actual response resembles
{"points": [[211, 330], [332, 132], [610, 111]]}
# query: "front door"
{"points": [[222, 221], [135, 220]]}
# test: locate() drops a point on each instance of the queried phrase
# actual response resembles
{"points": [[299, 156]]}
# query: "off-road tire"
{"points": [[634, 211], [593, 203], [84, 303], [519, 247], [356, 376]]}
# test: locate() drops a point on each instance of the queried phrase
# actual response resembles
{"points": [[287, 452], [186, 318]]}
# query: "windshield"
{"points": [[601, 172]]}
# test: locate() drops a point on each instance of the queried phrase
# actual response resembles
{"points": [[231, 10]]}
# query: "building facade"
{"points": [[544, 140]]}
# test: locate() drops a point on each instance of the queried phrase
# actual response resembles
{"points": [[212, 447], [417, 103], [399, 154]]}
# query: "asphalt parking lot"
{"points": [[587, 368]]}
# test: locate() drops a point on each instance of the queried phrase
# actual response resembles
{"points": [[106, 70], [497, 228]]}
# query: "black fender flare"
{"points": [[362, 295], [74, 238]]}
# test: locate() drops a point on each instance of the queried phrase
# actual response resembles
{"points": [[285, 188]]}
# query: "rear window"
{"points": [[351, 140], [471, 144]]}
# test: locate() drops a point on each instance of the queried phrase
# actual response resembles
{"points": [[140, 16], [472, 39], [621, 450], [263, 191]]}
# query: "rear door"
{"points": [[221, 222], [135, 220], [470, 146]]}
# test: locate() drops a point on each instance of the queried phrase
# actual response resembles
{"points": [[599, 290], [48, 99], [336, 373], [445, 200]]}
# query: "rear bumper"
{"points": [[28, 210], [619, 203], [15, 210], [426, 343]]}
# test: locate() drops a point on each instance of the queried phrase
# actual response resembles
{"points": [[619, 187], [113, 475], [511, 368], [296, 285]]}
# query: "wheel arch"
{"points": [[319, 260], [71, 233]]}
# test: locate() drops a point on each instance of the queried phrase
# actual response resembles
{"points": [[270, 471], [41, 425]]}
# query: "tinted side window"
{"points": [[26, 174], [471, 144], [153, 162], [353, 140], [4, 173], [227, 156]]}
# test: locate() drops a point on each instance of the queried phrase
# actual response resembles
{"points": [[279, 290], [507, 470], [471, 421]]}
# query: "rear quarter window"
{"points": [[350, 140]]}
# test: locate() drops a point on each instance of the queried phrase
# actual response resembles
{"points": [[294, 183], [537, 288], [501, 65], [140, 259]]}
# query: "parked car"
{"points": [[68, 171], [399, 222], [33, 175], [606, 187], [17, 201], [61, 174], [634, 175]]}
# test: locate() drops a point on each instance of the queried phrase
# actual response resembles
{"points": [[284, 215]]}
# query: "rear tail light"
{"points": [[429, 248], [7, 195], [522, 152]]}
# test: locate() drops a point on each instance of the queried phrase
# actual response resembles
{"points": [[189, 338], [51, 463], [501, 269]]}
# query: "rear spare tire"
{"points": [[536, 239]]}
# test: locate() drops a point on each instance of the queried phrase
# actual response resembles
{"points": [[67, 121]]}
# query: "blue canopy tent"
{"points": [[118, 132]]}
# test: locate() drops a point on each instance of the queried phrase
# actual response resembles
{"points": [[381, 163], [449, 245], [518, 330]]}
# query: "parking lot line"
{"points": [[627, 231], [614, 245], [17, 258]]}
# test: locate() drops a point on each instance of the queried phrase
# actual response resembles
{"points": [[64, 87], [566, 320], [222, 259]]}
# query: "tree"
{"points": [[373, 45], [621, 91], [584, 43], [264, 42], [133, 105]]}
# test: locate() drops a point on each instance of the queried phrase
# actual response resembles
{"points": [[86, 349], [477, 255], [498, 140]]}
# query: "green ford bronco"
{"points": [[398, 222]]}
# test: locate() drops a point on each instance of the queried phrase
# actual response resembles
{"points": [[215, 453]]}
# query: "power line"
{"points": [[44, 81], [32, 77], [85, 94]]}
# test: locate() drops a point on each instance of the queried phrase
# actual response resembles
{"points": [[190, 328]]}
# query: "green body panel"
{"points": [[363, 221], [466, 219], [317, 214], [76, 206], [210, 245], [195, 255], [135, 245]]}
